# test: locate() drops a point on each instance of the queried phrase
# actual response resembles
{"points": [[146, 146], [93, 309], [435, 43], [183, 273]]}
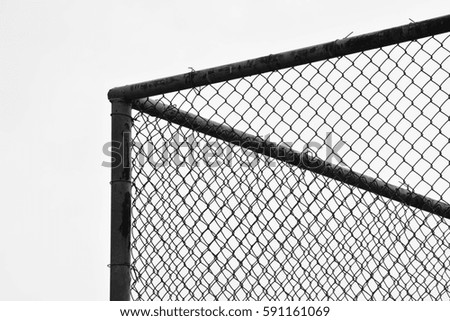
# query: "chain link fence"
{"points": [[321, 181]]}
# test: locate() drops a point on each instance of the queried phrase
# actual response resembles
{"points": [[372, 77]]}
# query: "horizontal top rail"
{"points": [[283, 60]]}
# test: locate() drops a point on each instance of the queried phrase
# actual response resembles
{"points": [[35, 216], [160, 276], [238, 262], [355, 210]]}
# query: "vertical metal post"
{"points": [[121, 122]]}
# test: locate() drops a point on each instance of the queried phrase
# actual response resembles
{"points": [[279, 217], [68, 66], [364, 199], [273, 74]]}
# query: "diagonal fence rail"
{"points": [[290, 156], [230, 185]]}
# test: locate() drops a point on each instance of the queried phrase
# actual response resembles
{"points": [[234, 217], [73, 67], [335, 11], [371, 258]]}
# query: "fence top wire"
{"points": [[333, 49]]}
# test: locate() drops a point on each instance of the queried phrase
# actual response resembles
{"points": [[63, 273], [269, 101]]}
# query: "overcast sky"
{"points": [[57, 61]]}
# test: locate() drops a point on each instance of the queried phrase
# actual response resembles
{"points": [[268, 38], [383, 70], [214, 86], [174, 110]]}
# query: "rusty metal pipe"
{"points": [[287, 59]]}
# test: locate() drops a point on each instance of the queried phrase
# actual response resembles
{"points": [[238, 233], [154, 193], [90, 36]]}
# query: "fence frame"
{"points": [[121, 122], [333, 49], [121, 99]]}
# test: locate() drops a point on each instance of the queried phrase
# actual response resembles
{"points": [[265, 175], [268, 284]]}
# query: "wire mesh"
{"points": [[215, 220]]}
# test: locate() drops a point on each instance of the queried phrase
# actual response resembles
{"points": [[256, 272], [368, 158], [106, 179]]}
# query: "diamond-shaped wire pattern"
{"points": [[212, 220]]}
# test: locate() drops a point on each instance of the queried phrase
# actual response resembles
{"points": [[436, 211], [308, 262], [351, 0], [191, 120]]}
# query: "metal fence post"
{"points": [[121, 122]]}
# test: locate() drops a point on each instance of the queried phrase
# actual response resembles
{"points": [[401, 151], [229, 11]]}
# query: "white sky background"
{"points": [[57, 61]]}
